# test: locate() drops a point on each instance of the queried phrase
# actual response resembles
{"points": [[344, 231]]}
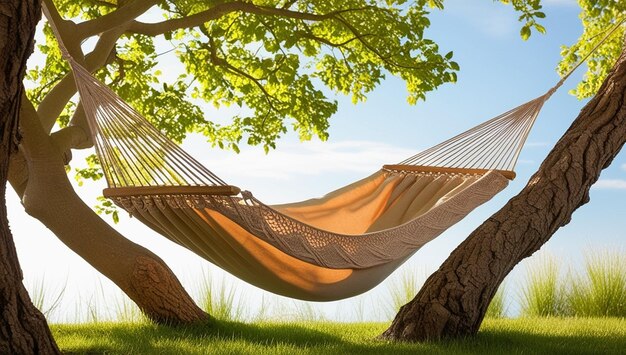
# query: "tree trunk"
{"points": [[37, 174], [23, 329], [49, 197], [453, 301]]}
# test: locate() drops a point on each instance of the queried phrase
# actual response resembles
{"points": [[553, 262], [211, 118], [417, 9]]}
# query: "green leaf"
{"points": [[525, 33], [540, 28]]}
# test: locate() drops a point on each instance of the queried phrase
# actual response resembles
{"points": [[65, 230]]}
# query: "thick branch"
{"points": [[155, 29], [66, 30], [114, 19], [52, 105]]}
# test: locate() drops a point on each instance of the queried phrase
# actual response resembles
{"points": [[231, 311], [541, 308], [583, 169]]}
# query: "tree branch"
{"points": [[52, 105], [155, 29], [310, 35], [367, 45], [67, 34], [215, 59], [114, 19]]}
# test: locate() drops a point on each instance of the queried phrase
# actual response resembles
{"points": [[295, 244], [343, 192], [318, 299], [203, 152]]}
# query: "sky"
{"points": [[498, 71]]}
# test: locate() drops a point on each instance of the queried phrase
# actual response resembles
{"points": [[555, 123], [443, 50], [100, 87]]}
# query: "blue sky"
{"points": [[498, 71]]}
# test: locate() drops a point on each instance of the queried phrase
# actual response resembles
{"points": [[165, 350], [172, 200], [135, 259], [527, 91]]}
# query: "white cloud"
{"points": [[311, 158], [612, 184]]}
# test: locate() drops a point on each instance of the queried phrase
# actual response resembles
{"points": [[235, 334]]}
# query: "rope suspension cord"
{"points": [[132, 152], [495, 144]]}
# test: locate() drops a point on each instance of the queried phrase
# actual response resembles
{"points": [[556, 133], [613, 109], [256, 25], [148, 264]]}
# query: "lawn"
{"points": [[497, 336]]}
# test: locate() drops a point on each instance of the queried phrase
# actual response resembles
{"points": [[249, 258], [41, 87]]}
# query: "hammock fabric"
{"points": [[322, 249]]}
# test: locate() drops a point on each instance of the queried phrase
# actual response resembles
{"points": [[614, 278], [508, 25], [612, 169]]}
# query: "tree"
{"points": [[270, 57], [454, 300], [23, 329]]}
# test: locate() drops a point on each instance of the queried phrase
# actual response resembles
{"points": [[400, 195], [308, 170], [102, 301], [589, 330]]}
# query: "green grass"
{"points": [[402, 290], [598, 289], [497, 336], [601, 289], [220, 299], [543, 295], [497, 308]]}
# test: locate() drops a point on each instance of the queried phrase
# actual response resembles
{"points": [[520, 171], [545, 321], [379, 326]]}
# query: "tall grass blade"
{"points": [[220, 299], [601, 290], [47, 301], [497, 307], [402, 290], [542, 295]]}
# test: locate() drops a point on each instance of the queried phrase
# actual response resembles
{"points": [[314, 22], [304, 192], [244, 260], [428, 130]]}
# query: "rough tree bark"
{"points": [[49, 197], [23, 329], [454, 299], [38, 176]]}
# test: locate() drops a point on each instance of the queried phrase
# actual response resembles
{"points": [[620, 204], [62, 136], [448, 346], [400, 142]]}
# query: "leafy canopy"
{"points": [[598, 17], [277, 61]]}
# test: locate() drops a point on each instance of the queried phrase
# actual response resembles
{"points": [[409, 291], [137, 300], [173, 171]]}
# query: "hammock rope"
{"points": [[329, 248]]}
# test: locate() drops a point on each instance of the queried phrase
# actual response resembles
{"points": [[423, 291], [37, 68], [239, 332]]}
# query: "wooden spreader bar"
{"points": [[223, 190], [435, 169]]}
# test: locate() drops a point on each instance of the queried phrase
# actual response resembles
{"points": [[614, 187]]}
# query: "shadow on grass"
{"points": [[315, 338]]}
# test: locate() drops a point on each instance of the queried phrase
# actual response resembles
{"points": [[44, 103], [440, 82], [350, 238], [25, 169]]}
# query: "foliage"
{"points": [[274, 59], [107, 207], [598, 17], [529, 14]]}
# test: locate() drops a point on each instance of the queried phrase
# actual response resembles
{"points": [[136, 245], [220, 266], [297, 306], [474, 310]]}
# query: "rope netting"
{"points": [[132, 151], [492, 145]]}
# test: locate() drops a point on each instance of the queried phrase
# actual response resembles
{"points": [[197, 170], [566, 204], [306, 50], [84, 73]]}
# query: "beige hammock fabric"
{"points": [[322, 249], [378, 223]]}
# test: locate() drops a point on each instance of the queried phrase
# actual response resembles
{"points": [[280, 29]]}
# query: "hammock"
{"points": [[322, 249], [330, 248]]}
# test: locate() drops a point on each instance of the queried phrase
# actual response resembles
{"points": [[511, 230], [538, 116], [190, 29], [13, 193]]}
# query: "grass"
{"points": [[402, 290], [219, 299], [497, 336], [542, 294], [547, 296], [497, 308], [45, 299], [601, 289], [598, 290]]}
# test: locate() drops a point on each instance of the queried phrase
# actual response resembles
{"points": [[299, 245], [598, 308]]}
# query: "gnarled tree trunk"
{"points": [[23, 329], [48, 196], [38, 176], [453, 301]]}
